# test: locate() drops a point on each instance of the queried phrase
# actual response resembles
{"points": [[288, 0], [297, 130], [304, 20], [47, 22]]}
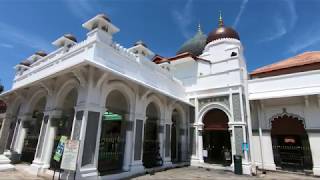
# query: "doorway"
{"points": [[32, 132], [176, 137], [113, 134], [290, 144], [216, 138], [63, 125], [151, 144]]}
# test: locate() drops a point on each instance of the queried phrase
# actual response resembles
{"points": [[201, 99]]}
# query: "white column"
{"points": [[50, 134], [200, 142], [21, 134], [37, 163], [128, 143], [167, 159], [161, 139], [136, 164], [4, 161], [314, 139]]}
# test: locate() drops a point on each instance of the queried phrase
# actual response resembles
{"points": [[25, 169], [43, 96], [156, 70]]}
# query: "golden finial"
{"points": [[199, 28], [220, 19]]}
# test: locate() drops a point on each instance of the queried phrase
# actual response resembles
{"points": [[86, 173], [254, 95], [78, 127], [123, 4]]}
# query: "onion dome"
{"points": [[1, 88], [26, 62], [140, 43], [195, 45], [222, 32], [41, 53], [104, 17], [71, 37]]}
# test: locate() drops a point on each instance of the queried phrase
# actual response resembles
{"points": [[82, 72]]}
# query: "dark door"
{"points": [[217, 147], [150, 144], [292, 152], [31, 139], [173, 143], [111, 150]]}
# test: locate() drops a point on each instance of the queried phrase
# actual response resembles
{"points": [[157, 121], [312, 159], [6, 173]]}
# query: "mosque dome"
{"points": [[71, 37], [1, 88], [41, 53], [195, 45], [104, 17], [26, 62], [140, 43], [222, 32]]}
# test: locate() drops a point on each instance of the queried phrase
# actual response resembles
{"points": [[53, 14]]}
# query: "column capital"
{"points": [[199, 125], [237, 123], [25, 116], [141, 117], [90, 107]]}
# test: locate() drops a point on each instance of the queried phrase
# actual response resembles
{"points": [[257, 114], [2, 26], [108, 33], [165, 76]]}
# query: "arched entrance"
{"points": [[151, 147], [63, 125], [176, 137], [113, 133], [216, 138], [32, 131], [290, 143]]}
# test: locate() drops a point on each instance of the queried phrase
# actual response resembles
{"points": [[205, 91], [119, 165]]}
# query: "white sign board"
{"points": [[205, 153], [70, 154]]}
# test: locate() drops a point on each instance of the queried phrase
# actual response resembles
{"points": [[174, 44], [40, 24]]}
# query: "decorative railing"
{"points": [[126, 58]]}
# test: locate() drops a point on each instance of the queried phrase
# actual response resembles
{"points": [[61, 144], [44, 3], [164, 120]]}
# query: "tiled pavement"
{"points": [[185, 173], [195, 173]]}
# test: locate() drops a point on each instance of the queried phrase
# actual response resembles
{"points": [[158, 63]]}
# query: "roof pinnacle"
{"points": [[220, 19], [199, 28]]}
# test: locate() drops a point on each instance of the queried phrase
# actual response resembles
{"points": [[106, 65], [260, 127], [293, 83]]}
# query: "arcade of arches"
{"points": [[111, 142]]}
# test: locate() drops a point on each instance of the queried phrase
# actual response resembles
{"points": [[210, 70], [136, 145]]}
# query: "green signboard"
{"points": [[109, 116], [59, 150]]}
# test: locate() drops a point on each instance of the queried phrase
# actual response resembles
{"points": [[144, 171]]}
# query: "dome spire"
{"points": [[199, 28], [220, 19]]}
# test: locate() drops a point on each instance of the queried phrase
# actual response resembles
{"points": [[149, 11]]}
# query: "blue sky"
{"points": [[270, 30]]}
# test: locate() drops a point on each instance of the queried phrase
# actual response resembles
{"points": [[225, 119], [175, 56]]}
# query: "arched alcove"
{"points": [[33, 127], [151, 144], [216, 137], [176, 136], [290, 143], [113, 133], [63, 125]]}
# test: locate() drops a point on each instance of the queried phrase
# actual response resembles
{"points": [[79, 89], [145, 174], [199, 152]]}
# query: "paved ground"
{"points": [[185, 173], [196, 173]]}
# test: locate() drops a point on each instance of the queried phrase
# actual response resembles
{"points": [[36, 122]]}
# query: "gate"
{"points": [[292, 153], [110, 153]]}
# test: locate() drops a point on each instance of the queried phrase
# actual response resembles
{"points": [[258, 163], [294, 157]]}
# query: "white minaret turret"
{"points": [[141, 50], [66, 41], [101, 28]]}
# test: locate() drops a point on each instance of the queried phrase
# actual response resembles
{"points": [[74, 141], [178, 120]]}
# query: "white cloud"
{"points": [[15, 36], [242, 8], [184, 19], [306, 40], [283, 22], [82, 9], [278, 30], [6, 45]]}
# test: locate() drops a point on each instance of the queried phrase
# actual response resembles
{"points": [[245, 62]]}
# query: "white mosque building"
{"points": [[135, 111]]}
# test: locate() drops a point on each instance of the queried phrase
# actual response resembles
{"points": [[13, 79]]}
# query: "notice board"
{"points": [[70, 155]]}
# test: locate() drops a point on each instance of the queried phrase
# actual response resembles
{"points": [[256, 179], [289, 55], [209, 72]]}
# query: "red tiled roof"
{"points": [[295, 63]]}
